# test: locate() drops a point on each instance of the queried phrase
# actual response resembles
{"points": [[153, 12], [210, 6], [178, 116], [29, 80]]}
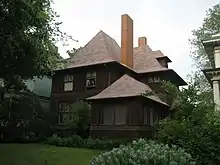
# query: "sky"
{"points": [[167, 24]]}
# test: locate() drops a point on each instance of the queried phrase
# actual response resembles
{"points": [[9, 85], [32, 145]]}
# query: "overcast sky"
{"points": [[167, 24]]}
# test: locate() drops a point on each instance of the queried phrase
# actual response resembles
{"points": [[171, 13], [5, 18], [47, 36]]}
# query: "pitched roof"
{"points": [[101, 49], [145, 61], [126, 86]]}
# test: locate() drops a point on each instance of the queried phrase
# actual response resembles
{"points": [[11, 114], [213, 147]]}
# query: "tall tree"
{"points": [[28, 33], [209, 27]]}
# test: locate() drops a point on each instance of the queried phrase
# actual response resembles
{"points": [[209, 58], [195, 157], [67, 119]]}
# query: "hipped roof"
{"points": [[126, 86], [104, 49]]}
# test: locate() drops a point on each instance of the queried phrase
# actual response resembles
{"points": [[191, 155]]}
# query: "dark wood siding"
{"points": [[106, 74], [134, 126]]}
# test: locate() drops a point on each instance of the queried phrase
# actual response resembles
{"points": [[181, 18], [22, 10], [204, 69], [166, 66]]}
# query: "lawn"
{"points": [[41, 154]]}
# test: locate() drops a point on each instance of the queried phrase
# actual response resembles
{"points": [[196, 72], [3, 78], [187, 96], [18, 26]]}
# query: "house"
{"points": [[212, 48], [113, 80], [41, 87]]}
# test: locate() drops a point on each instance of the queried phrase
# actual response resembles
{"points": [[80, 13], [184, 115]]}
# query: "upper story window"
{"points": [[68, 83], [90, 80], [163, 63], [154, 79]]}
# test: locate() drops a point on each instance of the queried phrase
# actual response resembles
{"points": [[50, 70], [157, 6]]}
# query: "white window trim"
{"points": [[68, 83], [90, 76]]}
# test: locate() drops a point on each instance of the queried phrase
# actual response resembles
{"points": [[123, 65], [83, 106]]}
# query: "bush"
{"points": [[200, 139], [79, 124], [77, 142], [144, 153], [73, 141], [22, 118]]}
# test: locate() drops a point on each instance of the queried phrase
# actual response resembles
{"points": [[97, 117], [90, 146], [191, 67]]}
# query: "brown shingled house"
{"points": [[113, 80]]}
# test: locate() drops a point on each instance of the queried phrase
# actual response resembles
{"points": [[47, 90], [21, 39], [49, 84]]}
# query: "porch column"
{"points": [[217, 56], [216, 94]]}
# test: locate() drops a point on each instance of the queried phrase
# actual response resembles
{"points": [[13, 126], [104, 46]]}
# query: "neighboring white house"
{"points": [[40, 87], [212, 48]]}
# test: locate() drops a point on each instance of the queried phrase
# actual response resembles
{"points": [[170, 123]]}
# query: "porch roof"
{"points": [[126, 86]]}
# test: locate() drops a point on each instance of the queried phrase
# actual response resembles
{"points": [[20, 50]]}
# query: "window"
{"points": [[91, 80], [154, 79], [68, 83], [150, 80], [65, 113], [120, 115], [163, 63], [108, 116], [78, 100], [114, 115], [148, 116]]}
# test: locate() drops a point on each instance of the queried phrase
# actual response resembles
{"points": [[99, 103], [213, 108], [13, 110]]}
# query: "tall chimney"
{"points": [[127, 40], [142, 41]]}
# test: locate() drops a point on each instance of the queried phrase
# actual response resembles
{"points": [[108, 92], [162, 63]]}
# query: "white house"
{"points": [[212, 48]]}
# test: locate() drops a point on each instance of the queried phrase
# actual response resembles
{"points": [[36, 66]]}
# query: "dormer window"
{"points": [[154, 79], [68, 83], [90, 80]]}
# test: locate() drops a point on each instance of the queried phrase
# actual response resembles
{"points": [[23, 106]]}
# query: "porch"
{"points": [[125, 117]]}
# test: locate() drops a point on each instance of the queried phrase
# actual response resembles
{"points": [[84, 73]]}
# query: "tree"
{"points": [[80, 119], [209, 27], [22, 116], [194, 124], [28, 33]]}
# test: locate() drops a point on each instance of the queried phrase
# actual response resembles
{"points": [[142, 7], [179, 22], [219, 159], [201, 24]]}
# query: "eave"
{"points": [[166, 58], [209, 45], [172, 74], [210, 73]]}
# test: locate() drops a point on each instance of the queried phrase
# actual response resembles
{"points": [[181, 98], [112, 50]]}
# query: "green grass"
{"points": [[41, 154]]}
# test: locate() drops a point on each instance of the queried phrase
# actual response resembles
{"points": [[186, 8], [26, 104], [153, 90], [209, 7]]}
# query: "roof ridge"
{"points": [[105, 42]]}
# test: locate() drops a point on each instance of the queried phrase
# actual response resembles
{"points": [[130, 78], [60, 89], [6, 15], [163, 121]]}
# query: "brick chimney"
{"points": [[142, 41], [127, 40]]}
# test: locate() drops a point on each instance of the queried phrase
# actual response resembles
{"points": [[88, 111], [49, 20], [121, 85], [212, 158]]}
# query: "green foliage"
{"points": [[80, 113], [209, 27], [194, 125], [199, 136], [28, 33], [73, 141], [21, 117], [142, 152], [77, 142]]}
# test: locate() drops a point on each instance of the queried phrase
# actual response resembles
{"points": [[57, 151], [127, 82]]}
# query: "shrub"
{"points": [[200, 139], [73, 141], [22, 118], [79, 124], [142, 152], [77, 142]]}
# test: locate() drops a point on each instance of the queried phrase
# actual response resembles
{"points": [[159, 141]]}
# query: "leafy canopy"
{"points": [[209, 27], [28, 33]]}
